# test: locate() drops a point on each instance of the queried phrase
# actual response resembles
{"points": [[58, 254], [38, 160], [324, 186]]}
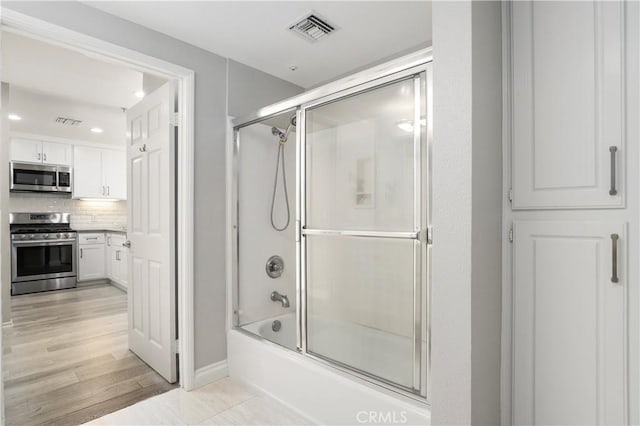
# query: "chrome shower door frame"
{"points": [[418, 67], [419, 234]]}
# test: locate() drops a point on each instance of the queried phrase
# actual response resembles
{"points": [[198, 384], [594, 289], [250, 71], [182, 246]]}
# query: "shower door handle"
{"points": [[613, 190]]}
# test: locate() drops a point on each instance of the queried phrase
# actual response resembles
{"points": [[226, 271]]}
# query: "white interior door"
{"points": [[151, 189]]}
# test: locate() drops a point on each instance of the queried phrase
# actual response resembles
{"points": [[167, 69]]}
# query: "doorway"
{"points": [[179, 204]]}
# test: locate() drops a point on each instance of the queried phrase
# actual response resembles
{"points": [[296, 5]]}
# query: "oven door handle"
{"points": [[43, 242]]}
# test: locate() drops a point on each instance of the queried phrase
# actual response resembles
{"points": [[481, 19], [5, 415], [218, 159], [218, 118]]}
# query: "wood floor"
{"points": [[65, 359]]}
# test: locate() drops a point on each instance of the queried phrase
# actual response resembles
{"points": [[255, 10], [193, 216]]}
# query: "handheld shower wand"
{"points": [[282, 136]]}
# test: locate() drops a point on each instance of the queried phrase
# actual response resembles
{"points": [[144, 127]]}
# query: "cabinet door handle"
{"points": [[117, 254], [80, 253], [44, 156], [614, 258], [39, 156], [108, 190], [613, 150]]}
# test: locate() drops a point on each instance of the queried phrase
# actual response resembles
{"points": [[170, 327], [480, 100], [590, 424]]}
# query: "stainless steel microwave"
{"points": [[40, 177]]}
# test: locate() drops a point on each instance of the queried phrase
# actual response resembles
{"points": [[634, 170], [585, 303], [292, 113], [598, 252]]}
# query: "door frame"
{"points": [[26, 25]]}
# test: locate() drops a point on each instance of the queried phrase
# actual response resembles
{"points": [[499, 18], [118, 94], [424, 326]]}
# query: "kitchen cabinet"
{"points": [[91, 258], [567, 104], [569, 324], [117, 258], [40, 152], [99, 173]]}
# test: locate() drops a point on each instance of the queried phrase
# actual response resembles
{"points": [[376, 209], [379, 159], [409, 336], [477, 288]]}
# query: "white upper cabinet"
{"points": [[39, 152], [56, 153], [569, 323], [114, 169], [567, 106], [99, 173]]}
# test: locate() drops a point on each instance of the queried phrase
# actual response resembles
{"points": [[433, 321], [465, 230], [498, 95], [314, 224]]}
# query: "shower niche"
{"points": [[336, 183]]}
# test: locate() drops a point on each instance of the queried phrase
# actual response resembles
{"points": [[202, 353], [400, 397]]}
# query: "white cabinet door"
{"points": [[56, 153], [569, 323], [26, 150], [567, 104], [114, 170], [87, 176], [91, 264], [124, 259]]}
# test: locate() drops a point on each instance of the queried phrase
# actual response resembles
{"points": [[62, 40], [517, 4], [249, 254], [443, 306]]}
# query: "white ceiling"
{"points": [[256, 33], [39, 112], [61, 72]]}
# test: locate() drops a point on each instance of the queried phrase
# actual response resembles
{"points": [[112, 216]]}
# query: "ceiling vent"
{"points": [[312, 27], [65, 121]]}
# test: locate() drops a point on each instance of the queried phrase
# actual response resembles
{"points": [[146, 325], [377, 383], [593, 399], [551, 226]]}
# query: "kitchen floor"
{"points": [[65, 359]]}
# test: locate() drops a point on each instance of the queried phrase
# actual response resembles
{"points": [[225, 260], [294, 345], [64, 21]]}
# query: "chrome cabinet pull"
{"points": [[39, 156], [614, 258], [108, 190], [613, 150], [117, 254], [44, 156], [80, 253]]}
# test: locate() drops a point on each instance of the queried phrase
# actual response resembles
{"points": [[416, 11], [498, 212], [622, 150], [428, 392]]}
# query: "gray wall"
{"points": [[210, 128], [467, 181]]}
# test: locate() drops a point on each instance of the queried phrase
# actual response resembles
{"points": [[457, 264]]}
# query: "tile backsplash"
{"points": [[84, 214]]}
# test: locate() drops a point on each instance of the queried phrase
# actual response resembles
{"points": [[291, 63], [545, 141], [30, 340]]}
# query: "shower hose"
{"points": [[280, 161]]}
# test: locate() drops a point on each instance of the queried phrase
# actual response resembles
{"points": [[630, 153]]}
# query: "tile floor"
{"points": [[224, 402]]}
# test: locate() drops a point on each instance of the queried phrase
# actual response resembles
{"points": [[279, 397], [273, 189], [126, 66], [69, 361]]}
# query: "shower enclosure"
{"points": [[347, 282]]}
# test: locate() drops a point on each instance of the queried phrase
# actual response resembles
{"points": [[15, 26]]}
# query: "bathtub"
{"points": [[323, 394]]}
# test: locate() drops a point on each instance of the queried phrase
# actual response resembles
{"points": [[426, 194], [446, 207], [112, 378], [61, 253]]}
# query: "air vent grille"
{"points": [[65, 121], [312, 27]]}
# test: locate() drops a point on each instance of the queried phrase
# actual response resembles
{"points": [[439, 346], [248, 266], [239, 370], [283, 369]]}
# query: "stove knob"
{"points": [[33, 236], [58, 235]]}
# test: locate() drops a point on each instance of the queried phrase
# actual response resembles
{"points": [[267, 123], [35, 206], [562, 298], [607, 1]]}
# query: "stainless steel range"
{"points": [[43, 252]]}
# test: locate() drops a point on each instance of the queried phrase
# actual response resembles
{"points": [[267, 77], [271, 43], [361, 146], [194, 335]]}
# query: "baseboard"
{"points": [[92, 282], [118, 285], [211, 373]]}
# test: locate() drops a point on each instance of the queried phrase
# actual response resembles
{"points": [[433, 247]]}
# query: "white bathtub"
{"points": [[323, 394]]}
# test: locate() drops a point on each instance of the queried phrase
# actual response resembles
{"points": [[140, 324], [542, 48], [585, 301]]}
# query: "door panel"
{"points": [[362, 254], [26, 150], [567, 104], [569, 324], [151, 186], [56, 153]]}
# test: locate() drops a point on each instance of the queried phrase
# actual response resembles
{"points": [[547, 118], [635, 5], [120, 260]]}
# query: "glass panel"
{"points": [[266, 228], [360, 161], [65, 179], [44, 260], [360, 304], [34, 177]]}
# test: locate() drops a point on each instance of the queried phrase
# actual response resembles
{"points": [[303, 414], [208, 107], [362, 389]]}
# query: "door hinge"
{"points": [[510, 195], [511, 234], [176, 346], [174, 119]]}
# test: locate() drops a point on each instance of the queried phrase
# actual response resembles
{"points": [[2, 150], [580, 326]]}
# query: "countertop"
{"points": [[113, 230]]}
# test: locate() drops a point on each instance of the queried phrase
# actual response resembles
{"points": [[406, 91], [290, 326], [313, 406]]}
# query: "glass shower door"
{"points": [[363, 246]]}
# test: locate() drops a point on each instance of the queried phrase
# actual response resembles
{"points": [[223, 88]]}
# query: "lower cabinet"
{"points": [[101, 257], [569, 323], [91, 265], [117, 257]]}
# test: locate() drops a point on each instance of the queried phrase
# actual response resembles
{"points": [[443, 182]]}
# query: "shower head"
{"points": [[283, 136]]}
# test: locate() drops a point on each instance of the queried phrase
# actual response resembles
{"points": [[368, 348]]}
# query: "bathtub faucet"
{"points": [[282, 298]]}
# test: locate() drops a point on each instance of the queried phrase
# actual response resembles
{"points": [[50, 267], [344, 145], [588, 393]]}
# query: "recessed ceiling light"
{"points": [[139, 94], [96, 130], [14, 117]]}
